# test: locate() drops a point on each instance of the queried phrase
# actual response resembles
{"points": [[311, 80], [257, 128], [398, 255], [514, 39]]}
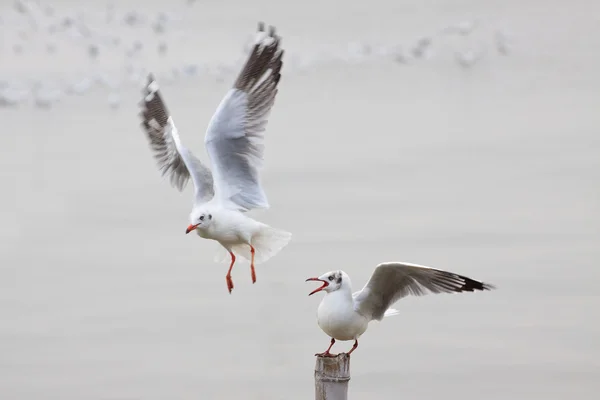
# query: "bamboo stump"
{"points": [[332, 375]]}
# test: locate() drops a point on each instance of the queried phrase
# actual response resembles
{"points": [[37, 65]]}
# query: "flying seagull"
{"points": [[235, 144]]}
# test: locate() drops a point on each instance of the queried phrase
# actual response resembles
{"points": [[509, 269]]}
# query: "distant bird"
{"points": [[502, 43], [132, 18], [467, 59], [420, 49], [12, 94], [235, 144], [159, 25], [344, 315], [81, 86], [45, 95]]}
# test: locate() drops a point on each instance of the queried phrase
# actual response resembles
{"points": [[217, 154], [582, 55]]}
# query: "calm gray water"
{"points": [[491, 172]]}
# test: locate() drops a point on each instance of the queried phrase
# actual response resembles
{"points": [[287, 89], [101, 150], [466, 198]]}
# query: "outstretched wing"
{"points": [[174, 159], [393, 280], [235, 135]]}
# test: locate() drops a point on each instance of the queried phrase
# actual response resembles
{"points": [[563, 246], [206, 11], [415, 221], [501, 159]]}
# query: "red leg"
{"points": [[326, 353], [353, 347], [252, 265], [228, 277]]}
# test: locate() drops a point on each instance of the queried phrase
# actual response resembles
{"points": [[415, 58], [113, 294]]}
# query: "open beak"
{"points": [[190, 228], [325, 284]]}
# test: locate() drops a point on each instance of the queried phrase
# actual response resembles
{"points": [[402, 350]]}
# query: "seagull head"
{"points": [[332, 281], [199, 219]]}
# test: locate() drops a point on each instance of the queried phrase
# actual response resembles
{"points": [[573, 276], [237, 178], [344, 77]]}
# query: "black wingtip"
{"points": [[472, 285]]}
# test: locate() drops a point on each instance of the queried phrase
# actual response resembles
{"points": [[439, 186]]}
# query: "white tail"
{"points": [[390, 312], [267, 242]]}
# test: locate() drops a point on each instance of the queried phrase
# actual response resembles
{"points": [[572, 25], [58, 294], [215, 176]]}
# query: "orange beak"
{"points": [[190, 228], [325, 284]]}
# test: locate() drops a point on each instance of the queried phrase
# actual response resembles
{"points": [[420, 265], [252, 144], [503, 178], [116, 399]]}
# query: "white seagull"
{"points": [[235, 144], [344, 315]]}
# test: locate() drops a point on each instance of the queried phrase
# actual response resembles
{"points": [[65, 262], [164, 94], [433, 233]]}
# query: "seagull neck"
{"points": [[344, 292]]}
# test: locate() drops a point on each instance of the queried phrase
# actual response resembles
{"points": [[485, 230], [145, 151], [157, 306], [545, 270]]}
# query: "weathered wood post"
{"points": [[332, 375]]}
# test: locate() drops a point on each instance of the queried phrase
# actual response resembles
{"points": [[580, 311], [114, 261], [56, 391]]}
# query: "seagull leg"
{"points": [[326, 353], [228, 277], [353, 347], [252, 265]]}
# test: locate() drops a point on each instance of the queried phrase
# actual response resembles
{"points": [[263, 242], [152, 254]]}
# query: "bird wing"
{"points": [[235, 135], [174, 159], [393, 280]]}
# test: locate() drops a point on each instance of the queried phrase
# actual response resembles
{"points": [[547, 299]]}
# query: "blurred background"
{"points": [[461, 135]]}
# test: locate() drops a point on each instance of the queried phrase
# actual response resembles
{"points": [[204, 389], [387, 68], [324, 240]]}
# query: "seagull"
{"points": [[344, 315], [234, 142]]}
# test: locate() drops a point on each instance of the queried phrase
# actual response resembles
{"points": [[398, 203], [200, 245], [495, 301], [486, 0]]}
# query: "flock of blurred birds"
{"points": [[89, 37]]}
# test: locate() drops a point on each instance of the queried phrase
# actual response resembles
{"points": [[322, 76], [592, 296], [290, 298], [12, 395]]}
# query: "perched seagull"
{"points": [[344, 315], [235, 144]]}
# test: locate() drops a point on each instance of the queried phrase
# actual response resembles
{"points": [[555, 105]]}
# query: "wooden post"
{"points": [[332, 375]]}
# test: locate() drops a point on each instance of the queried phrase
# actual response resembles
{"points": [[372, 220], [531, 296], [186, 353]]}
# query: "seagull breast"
{"points": [[337, 318]]}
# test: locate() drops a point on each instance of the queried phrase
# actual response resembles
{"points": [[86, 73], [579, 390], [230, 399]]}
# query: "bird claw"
{"points": [[229, 284], [253, 276]]}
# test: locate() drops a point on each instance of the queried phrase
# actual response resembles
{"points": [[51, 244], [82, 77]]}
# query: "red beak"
{"points": [[190, 228], [325, 284]]}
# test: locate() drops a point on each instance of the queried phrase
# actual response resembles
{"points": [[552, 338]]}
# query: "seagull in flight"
{"points": [[234, 142], [344, 315]]}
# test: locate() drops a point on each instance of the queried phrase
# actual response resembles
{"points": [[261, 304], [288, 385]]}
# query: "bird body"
{"points": [[227, 226], [338, 319], [344, 315]]}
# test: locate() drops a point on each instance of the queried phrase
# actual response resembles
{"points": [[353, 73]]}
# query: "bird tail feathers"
{"points": [[391, 312], [267, 242]]}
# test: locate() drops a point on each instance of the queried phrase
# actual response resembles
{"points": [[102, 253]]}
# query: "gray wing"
{"points": [[174, 159], [393, 280], [235, 135]]}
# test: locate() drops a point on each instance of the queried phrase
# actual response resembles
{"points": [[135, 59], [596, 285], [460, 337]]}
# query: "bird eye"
{"points": [[330, 277], [209, 216], [202, 218]]}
